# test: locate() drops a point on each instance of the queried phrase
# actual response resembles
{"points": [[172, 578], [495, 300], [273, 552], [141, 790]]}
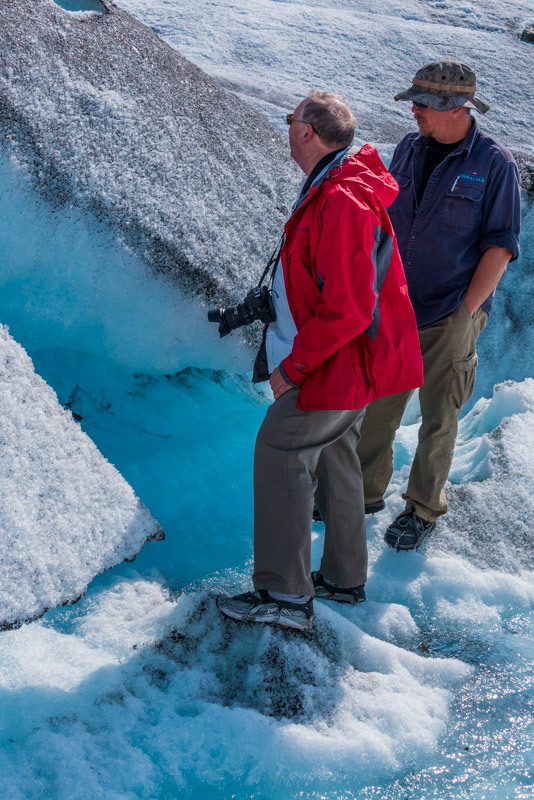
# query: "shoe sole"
{"points": [[339, 597], [280, 621]]}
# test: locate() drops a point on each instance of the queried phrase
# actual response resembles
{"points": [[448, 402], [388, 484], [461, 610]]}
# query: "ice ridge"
{"points": [[66, 513], [110, 118]]}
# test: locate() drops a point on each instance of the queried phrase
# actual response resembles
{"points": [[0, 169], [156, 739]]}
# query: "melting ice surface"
{"points": [[141, 690]]}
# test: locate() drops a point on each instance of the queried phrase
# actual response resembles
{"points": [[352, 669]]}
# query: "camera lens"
{"points": [[237, 316], [214, 314], [256, 305]]}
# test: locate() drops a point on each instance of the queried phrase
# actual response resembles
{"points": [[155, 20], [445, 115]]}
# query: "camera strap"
{"points": [[316, 177], [273, 262]]}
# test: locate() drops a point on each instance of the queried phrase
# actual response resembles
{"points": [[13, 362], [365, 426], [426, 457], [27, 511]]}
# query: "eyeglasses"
{"points": [[419, 105], [290, 119]]}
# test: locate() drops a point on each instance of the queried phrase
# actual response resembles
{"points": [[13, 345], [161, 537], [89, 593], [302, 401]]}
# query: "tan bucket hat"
{"points": [[444, 85]]}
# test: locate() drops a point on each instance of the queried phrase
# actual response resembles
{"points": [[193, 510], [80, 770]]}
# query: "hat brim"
{"points": [[443, 101]]}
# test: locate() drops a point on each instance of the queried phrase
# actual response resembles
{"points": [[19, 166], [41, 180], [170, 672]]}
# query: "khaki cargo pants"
{"points": [[296, 452], [449, 359]]}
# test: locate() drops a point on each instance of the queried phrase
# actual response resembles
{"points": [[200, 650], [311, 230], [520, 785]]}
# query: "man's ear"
{"points": [[460, 111]]}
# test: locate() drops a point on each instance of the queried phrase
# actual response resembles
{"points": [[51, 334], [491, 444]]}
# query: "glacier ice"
{"points": [[66, 513], [141, 689], [108, 117], [216, 699]]}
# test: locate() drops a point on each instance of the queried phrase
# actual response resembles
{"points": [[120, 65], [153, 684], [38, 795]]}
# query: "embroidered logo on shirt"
{"points": [[472, 177]]}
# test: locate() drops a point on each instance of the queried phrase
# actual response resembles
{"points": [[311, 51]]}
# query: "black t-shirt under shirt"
{"points": [[435, 154]]}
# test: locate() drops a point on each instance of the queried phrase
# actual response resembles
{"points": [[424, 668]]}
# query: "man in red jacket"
{"points": [[345, 334]]}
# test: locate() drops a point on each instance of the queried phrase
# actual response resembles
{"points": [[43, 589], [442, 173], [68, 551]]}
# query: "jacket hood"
{"points": [[367, 168]]}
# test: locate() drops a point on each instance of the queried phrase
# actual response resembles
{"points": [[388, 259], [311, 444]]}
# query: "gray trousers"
{"points": [[449, 359], [296, 453]]}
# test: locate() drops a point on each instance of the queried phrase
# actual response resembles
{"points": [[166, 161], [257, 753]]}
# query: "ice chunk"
{"points": [[66, 513], [491, 517]]}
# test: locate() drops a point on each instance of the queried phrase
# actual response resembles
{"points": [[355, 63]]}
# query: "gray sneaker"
{"points": [[260, 607], [408, 531]]}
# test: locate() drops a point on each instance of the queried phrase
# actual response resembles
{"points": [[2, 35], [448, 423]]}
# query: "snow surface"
{"points": [[337, 698], [272, 53], [66, 513], [142, 690]]}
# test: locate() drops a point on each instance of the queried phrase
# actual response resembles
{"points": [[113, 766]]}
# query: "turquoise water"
{"points": [[82, 5]]}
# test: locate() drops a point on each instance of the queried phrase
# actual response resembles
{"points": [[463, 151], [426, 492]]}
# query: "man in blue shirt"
{"points": [[457, 219]]}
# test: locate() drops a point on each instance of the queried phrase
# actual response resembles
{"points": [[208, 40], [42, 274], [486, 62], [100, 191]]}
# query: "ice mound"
{"points": [[228, 706], [491, 517], [332, 699], [109, 118], [66, 513]]}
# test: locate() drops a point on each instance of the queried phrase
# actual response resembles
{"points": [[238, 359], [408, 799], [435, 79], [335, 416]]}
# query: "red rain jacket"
{"points": [[357, 338]]}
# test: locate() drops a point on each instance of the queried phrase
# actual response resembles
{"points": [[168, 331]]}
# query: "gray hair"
{"points": [[330, 117]]}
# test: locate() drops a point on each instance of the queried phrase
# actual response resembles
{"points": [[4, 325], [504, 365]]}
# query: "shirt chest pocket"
{"points": [[405, 185], [403, 180], [462, 208]]}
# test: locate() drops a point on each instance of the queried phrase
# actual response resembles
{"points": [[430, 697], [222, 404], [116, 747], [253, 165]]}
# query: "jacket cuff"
{"points": [[290, 374]]}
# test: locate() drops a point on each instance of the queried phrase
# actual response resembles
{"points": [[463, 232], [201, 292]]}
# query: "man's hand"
{"points": [[487, 275], [278, 384]]}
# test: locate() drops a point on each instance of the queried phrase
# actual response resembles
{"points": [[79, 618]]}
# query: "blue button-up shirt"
{"points": [[471, 202]]}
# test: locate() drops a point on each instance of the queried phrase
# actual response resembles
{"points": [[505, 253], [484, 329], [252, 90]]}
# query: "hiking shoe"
{"points": [[341, 594], [408, 531], [316, 515], [260, 607], [372, 508]]}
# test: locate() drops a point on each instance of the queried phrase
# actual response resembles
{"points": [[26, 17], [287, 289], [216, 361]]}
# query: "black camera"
{"points": [[258, 304]]}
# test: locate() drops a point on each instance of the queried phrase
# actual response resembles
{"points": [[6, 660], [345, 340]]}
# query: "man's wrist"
{"points": [[469, 307], [290, 374], [285, 376]]}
